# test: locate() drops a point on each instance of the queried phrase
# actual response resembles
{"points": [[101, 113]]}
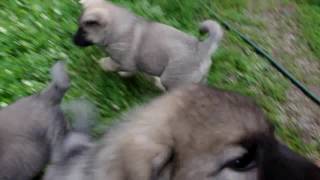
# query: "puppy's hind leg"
{"points": [[108, 65]]}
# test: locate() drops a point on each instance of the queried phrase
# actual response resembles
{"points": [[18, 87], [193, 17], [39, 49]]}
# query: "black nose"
{"points": [[279, 162], [80, 39]]}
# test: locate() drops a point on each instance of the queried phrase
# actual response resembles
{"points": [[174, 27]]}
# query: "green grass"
{"points": [[34, 34], [308, 15]]}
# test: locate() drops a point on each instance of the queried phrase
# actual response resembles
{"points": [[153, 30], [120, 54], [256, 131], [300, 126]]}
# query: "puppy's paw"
{"points": [[158, 83], [108, 65], [125, 74]]}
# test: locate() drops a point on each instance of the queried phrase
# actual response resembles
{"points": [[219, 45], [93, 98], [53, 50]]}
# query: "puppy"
{"points": [[173, 57], [194, 132], [30, 129]]}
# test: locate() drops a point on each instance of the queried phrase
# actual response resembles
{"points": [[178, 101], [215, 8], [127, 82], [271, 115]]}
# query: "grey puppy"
{"points": [[173, 57], [30, 128], [195, 132]]}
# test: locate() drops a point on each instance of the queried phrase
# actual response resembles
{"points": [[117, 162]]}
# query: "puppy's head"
{"points": [[214, 136], [93, 23], [221, 135]]}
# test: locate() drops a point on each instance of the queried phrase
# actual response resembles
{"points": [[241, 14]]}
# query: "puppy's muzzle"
{"points": [[80, 38], [278, 162]]}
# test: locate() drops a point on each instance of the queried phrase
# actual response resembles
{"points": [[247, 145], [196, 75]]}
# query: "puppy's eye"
{"points": [[244, 163], [91, 23]]}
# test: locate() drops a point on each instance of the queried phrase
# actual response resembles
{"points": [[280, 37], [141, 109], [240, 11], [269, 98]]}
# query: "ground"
{"points": [[34, 34]]}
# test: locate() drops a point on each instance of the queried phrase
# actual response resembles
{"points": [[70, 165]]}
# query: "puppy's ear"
{"points": [[96, 18], [86, 3]]}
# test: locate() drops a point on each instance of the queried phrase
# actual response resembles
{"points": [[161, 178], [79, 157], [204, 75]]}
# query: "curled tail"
{"points": [[215, 32], [59, 85]]}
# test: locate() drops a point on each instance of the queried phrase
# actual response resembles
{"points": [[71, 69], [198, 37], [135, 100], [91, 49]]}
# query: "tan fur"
{"points": [[194, 123], [198, 127], [134, 44]]}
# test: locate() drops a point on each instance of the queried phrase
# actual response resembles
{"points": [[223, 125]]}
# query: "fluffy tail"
{"points": [[59, 85], [215, 32]]}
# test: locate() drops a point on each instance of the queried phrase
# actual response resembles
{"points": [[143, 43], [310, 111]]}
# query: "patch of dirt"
{"points": [[289, 48], [303, 112]]}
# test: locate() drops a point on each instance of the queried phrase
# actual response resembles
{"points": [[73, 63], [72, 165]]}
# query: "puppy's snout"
{"points": [[279, 162], [80, 38]]}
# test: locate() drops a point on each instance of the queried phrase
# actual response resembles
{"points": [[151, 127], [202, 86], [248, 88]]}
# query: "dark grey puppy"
{"points": [[30, 128], [191, 133], [171, 56]]}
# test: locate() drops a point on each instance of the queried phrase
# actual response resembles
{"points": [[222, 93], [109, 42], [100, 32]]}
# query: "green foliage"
{"points": [[311, 2], [309, 23]]}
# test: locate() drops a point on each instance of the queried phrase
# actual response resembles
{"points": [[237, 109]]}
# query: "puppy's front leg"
{"points": [[144, 159], [125, 74], [108, 65], [158, 83]]}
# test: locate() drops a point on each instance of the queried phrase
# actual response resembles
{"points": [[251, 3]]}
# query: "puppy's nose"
{"points": [[80, 38]]}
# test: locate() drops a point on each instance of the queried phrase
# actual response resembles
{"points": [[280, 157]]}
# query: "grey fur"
{"points": [[83, 112], [190, 133], [30, 128], [72, 153], [156, 49]]}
